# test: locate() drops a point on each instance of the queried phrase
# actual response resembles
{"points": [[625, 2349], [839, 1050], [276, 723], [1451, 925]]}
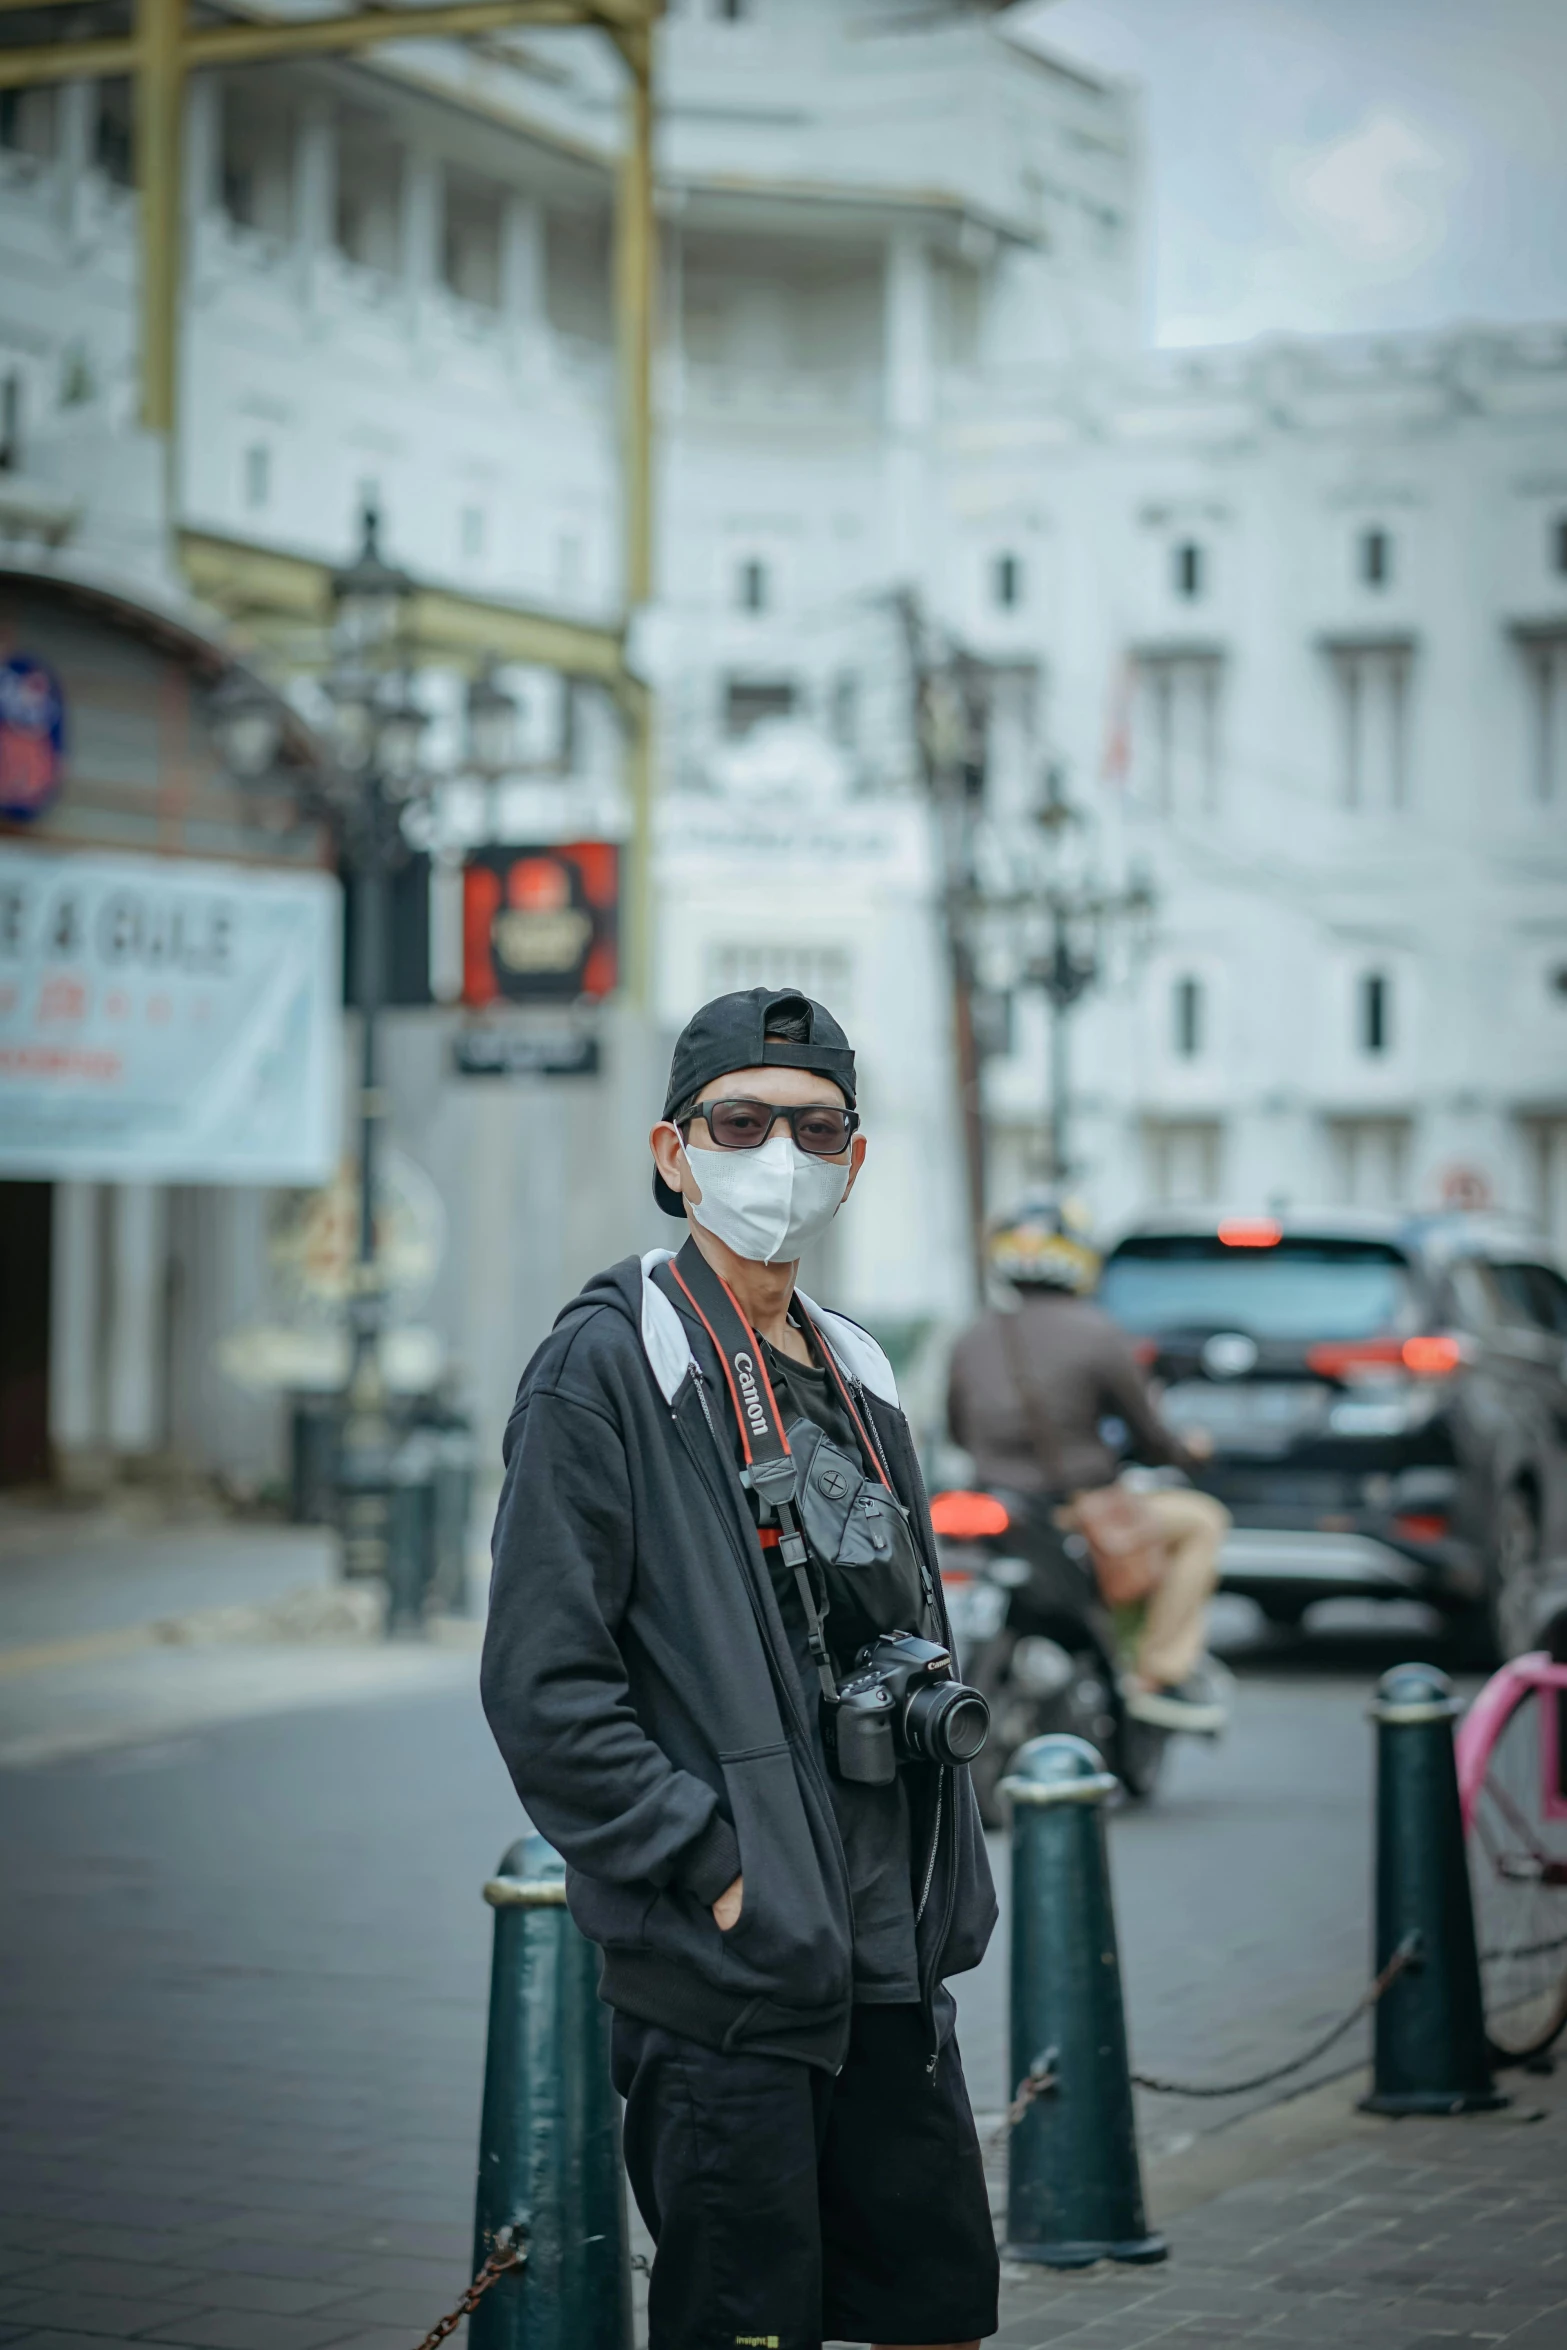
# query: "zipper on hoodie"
{"points": [[790, 1682], [928, 1878], [942, 1785]]}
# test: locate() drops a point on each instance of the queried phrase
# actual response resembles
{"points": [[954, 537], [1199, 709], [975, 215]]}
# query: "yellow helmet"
{"points": [[1045, 1245]]}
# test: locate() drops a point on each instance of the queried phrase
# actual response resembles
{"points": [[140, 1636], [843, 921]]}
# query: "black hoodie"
{"points": [[640, 1685]]}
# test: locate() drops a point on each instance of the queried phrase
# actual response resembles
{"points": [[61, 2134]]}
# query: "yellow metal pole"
{"points": [[67, 61], [247, 44], [636, 240], [159, 99], [636, 263]]}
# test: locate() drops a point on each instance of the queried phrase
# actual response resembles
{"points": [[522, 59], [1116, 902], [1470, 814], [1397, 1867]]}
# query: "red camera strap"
{"points": [[770, 1472]]}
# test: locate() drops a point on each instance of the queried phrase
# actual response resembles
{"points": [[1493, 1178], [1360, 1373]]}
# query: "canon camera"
{"points": [[901, 1704]]}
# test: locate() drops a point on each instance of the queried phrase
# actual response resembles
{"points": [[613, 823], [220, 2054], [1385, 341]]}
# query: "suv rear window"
{"points": [[1299, 1289]]}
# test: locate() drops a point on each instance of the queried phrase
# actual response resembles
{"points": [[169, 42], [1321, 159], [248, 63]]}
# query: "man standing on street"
{"points": [[712, 1521]]}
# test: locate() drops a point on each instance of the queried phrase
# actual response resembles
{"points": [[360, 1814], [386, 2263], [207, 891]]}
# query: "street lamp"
{"points": [[1047, 922], [370, 599], [492, 726], [379, 728], [246, 718]]}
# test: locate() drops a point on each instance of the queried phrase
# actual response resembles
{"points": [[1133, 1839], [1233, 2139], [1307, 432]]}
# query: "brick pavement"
{"points": [[1407, 2235], [241, 2025], [1390, 2236]]}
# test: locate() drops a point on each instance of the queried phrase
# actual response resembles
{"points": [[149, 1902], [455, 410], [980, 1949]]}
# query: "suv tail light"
{"points": [[1435, 1355], [1421, 1525]]}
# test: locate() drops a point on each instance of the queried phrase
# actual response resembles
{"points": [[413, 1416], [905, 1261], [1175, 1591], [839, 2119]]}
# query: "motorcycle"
{"points": [[1034, 1636]]}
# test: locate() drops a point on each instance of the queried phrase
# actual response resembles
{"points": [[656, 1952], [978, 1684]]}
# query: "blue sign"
{"points": [[32, 737]]}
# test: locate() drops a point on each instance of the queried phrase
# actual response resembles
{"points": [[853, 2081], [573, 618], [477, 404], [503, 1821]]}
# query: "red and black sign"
{"points": [[541, 925]]}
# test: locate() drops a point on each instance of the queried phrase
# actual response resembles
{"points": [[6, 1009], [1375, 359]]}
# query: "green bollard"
{"points": [[1430, 2052], [549, 2139], [1074, 2186]]}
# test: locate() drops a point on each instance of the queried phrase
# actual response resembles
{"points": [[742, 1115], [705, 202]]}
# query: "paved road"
{"points": [[245, 1970], [75, 1573]]}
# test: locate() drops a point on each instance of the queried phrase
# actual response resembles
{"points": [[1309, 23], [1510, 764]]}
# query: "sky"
{"points": [[1321, 166]]}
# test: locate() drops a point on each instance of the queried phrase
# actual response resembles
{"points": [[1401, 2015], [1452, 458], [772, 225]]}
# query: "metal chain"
{"points": [[505, 2258], [1404, 1957], [1043, 2077]]}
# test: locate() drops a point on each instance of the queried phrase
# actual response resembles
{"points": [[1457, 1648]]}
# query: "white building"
{"points": [[1302, 611], [900, 358]]}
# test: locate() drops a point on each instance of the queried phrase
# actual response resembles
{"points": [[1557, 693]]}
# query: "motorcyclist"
{"points": [[1081, 1374]]}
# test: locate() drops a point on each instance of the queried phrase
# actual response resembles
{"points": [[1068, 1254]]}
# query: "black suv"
{"points": [[1387, 1398]]}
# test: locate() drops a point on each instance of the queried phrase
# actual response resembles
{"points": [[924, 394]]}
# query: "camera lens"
{"points": [[946, 1723]]}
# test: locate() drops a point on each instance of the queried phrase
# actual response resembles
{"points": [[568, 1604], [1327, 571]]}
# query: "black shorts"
{"points": [[790, 2207]]}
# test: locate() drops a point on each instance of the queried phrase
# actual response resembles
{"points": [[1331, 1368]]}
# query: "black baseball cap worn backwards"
{"points": [[731, 1033]]}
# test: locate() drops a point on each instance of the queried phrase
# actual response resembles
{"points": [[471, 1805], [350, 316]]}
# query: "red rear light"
{"points": [[1434, 1356], [1251, 1232], [1146, 1350], [968, 1517], [1421, 1526]]}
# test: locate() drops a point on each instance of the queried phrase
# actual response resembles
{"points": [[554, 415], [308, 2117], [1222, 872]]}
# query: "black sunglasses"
{"points": [[743, 1125]]}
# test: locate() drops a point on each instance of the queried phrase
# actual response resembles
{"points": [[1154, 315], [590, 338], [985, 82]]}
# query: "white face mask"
{"points": [[767, 1204]]}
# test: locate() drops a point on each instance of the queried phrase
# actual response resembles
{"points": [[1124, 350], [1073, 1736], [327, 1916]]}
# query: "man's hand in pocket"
{"points": [[726, 1909]]}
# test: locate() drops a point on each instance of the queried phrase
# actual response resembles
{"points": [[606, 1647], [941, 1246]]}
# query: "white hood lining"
{"points": [[669, 1350]]}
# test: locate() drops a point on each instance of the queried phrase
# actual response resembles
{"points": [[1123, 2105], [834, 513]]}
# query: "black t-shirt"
{"points": [[872, 1821]]}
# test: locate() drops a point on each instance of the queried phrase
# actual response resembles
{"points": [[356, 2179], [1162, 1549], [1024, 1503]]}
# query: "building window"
{"points": [[1183, 1161], [1368, 1162], [729, 11], [112, 133], [748, 700], [27, 123], [1376, 558], [569, 564], [1559, 543], [1374, 1016], [470, 532], [843, 709], [258, 476], [1373, 696], [1187, 570], [1176, 738], [255, 162], [1545, 658], [753, 588], [1547, 1153], [471, 240], [824, 973], [1187, 1007], [11, 423], [1006, 582], [369, 196]]}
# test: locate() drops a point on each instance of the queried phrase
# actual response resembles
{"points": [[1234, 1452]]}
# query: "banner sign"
{"points": [[502, 1052], [32, 737], [541, 925], [168, 1021]]}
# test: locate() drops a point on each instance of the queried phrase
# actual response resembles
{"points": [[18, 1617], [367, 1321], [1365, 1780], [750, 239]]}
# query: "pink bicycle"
{"points": [[1512, 1784]]}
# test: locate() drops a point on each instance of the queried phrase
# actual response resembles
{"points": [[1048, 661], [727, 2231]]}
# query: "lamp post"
{"points": [[378, 728], [361, 790], [492, 726], [1052, 929]]}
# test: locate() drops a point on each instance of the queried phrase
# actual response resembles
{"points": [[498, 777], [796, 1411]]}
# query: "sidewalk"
{"points": [[125, 1625], [1312, 2224], [246, 1961]]}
